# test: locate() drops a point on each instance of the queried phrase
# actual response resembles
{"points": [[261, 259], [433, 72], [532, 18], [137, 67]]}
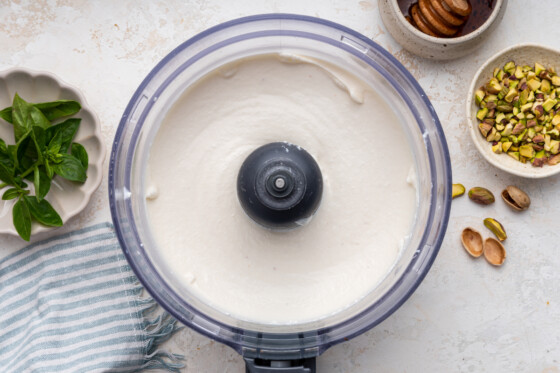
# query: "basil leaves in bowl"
{"points": [[51, 152]]}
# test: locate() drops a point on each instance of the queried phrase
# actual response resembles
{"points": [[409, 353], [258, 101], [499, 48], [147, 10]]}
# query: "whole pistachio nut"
{"points": [[457, 190], [496, 227], [481, 196], [516, 198], [494, 251]]}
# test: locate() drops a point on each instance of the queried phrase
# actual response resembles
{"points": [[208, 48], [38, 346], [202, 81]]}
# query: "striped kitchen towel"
{"points": [[72, 304]]}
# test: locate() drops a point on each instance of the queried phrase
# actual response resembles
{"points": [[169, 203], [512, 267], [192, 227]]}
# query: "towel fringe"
{"points": [[158, 330]]}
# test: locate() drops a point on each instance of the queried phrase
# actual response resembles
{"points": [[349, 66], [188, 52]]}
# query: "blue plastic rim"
{"points": [[254, 343]]}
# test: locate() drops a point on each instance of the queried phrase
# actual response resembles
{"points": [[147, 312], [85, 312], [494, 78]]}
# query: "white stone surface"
{"points": [[466, 316]]}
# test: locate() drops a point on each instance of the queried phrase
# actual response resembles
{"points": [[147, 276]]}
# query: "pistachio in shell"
{"points": [[457, 190], [516, 198], [481, 196], [494, 251], [496, 227], [472, 242]]}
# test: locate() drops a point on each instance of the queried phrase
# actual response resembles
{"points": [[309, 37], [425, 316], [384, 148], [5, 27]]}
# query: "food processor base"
{"points": [[279, 366]]}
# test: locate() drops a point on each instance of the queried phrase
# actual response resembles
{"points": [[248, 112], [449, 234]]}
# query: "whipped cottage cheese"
{"points": [[216, 253]]}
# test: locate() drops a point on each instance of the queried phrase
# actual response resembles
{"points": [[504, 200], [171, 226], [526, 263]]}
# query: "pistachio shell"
{"points": [[494, 251], [472, 241], [516, 198]]}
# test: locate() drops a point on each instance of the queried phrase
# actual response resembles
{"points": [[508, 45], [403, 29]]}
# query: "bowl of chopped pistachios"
{"points": [[513, 110]]}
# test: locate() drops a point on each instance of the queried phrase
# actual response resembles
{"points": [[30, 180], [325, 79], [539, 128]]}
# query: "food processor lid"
{"points": [[280, 186], [254, 344]]}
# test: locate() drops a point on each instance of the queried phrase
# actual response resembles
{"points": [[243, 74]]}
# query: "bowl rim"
{"points": [[537, 172], [99, 161], [447, 41]]}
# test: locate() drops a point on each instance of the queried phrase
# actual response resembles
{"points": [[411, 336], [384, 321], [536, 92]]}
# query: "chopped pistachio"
{"points": [[509, 67], [533, 84], [519, 127], [526, 107], [510, 95], [527, 151], [503, 92], [504, 107], [497, 148], [500, 75], [538, 68], [554, 160], [523, 96], [554, 146], [519, 73], [501, 116], [484, 128], [481, 114], [545, 86], [479, 96], [507, 130], [519, 113], [494, 86], [548, 104], [514, 155]]}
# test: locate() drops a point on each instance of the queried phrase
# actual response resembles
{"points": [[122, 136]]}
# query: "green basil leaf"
{"points": [[55, 143], [66, 130], [49, 170], [5, 157], [6, 175], [6, 160], [21, 117], [40, 136], [3, 147], [6, 114], [10, 194], [19, 152], [22, 219], [58, 109], [43, 212], [80, 153], [38, 118], [44, 184], [70, 168], [36, 180], [36, 148]]}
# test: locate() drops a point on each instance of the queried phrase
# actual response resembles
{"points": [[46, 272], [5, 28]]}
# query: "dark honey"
{"points": [[481, 10]]}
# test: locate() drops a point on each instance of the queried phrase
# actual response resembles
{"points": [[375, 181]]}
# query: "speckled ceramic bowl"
{"points": [[423, 45], [523, 54], [68, 198]]}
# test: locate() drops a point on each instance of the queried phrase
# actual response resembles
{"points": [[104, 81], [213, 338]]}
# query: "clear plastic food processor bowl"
{"points": [[265, 34]]}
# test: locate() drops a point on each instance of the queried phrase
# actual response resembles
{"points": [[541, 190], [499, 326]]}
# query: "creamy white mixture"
{"points": [[210, 246]]}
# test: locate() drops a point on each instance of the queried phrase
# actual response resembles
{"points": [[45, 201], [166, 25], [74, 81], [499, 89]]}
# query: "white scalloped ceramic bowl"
{"points": [[68, 198], [521, 54]]}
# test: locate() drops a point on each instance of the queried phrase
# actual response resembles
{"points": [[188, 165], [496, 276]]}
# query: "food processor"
{"points": [[288, 189]]}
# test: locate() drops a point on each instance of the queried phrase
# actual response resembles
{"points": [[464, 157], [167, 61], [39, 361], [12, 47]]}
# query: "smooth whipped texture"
{"points": [[211, 248]]}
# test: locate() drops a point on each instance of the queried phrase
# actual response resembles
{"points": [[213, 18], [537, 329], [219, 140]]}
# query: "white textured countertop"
{"points": [[466, 316]]}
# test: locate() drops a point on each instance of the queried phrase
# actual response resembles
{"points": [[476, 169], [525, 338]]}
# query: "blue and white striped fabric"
{"points": [[72, 304]]}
